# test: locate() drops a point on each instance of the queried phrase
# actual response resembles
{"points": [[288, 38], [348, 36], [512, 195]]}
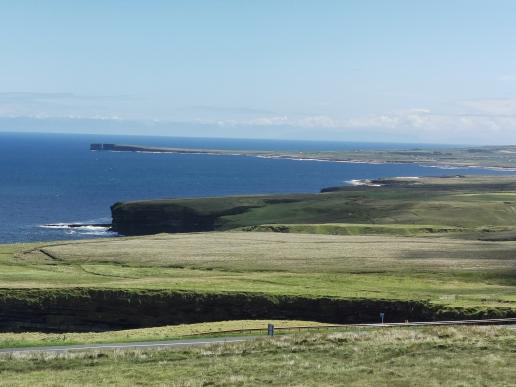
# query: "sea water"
{"points": [[55, 179]]}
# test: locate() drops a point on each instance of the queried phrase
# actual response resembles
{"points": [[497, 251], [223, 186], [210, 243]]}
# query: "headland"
{"points": [[490, 157]]}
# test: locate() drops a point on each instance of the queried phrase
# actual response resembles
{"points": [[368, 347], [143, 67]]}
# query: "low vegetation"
{"points": [[418, 356], [476, 205], [34, 339], [359, 229], [447, 271]]}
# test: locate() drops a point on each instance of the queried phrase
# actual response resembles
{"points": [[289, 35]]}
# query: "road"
{"points": [[134, 345], [234, 339]]}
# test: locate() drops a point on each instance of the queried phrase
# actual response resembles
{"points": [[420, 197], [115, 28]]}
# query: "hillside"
{"points": [[183, 278], [463, 202]]}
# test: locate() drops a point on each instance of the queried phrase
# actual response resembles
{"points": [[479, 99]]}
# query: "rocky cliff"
{"points": [[66, 310], [180, 215]]}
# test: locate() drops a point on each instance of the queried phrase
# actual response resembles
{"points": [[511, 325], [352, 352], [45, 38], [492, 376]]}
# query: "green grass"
{"points": [[444, 271], [385, 206], [357, 229], [461, 203], [33, 339], [460, 251], [397, 357]]}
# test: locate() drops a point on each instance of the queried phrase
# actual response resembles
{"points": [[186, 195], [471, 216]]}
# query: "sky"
{"points": [[441, 71]]}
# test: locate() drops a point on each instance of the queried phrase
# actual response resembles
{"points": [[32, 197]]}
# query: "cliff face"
{"points": [[68, 310], [189, 215], [143, 220], [98, 309]]}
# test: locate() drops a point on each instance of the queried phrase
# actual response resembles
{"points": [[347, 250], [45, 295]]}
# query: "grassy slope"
{"points": [[459, 203], [359, 229], [29, 339], [419, 357], [466, 203], [446, 271]]}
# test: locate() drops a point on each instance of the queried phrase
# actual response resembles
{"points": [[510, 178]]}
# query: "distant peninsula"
{"points": [[490, 157]]}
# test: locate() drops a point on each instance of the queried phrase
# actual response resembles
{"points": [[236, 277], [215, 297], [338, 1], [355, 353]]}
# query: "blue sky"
{"points": [[412, 71]]}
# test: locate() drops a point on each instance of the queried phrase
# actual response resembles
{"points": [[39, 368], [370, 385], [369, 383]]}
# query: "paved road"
{"points": [[236, 339], [135, 345]]}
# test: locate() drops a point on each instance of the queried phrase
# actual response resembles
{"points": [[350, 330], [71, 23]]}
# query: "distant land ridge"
{"points": [[489, 157], [139, 148]]}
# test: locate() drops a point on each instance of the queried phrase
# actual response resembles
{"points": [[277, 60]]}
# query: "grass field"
{"points": [[463, 203], [364, 229], [448, 356], [476, 205], [32, 339], [446, 271]]}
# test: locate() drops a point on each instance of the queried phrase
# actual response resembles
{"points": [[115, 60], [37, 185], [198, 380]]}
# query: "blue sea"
{"points": [[55, 178]]}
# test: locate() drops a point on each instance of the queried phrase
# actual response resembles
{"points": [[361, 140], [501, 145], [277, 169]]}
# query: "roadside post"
{"points": [[382, 316], [270, 330]]}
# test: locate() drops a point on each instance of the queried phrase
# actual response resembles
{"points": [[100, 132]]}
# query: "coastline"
{"points": [[452, 159]]}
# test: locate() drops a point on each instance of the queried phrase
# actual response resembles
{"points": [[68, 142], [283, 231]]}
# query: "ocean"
{"points": [[55, 178]]}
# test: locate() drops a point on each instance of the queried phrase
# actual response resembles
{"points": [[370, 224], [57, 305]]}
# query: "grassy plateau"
{"points": [[170, 332], [447, 271]]}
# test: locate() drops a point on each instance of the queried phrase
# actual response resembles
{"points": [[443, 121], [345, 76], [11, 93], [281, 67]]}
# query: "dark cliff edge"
{"points": [[190, 215], [154, 149], [76, 310], [139, 220], [143, 218]]}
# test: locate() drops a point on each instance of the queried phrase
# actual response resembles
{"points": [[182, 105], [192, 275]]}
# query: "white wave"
{"points": [[92, 228], [362, 182], [56, 225], [77, 228], [446, 166], [99, 233]]}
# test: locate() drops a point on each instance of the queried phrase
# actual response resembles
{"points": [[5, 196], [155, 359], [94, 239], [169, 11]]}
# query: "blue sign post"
{"points": [[270, 330], [382, 316]]}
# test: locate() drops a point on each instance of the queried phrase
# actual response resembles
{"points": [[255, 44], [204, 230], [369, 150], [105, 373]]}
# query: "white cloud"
{"points": [[318, 121], [485, 115], [489, 120], [434, 122]]}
